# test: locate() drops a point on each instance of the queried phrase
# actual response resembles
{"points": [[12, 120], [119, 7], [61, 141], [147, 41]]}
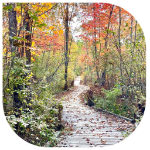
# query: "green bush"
{"points": [[32, 128], [112, 94], [109, 101], [36, 120]]}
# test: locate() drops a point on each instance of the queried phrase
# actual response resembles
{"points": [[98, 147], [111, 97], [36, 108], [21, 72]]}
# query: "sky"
{"points": [[75, 25]]}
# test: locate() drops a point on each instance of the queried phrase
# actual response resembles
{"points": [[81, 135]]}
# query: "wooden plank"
{"points": [[88, 123], [93, 139], [82, 145]]}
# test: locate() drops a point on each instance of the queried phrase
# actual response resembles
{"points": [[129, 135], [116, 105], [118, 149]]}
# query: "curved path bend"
{"points": [[88, 127]]}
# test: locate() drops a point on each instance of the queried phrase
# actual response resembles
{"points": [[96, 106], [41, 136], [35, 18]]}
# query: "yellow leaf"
{"points": [[60, 31], [51, 27], [33, 53], [32, 58], [32, 74], [33, 43], [19, 19], [30, 104], [43, 16]]}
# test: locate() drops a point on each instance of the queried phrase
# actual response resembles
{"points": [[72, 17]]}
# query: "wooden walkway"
{"points": [[88, 127]]}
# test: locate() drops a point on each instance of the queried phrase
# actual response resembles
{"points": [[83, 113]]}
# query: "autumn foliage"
{"points": [[48, 44]]}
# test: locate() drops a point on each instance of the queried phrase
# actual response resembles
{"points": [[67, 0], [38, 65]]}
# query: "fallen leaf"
{"points": [[102, 141]]}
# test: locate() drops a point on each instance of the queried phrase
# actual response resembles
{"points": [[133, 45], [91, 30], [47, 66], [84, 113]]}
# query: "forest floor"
{"points": [[86, 127]]}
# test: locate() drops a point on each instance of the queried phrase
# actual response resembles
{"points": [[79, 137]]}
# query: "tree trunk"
{"points": [[22, 50], [28, 43], [103, 77], [95, 50], [12, 28], [12, 33], [106, 41], [120, 48], [28, 23], [100, 83], [66, 46]]}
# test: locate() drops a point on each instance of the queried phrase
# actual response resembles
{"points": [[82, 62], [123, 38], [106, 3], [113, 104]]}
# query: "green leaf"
{"points": [[34, 17], [37, 11], [29, 12], [13, 54], [7, 7], [134, 58], [126, 25], [18, 38], [41, 25], [140, 30], [36, 22], [113, 32]]}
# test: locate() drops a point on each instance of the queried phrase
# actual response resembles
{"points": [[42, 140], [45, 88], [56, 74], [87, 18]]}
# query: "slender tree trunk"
{"points": [[133, 70], [120, 53], [12, 33], [132, 53], [95, 50], [28, 43], [66, 46], [112, 76], [99, 46], [136, 83], [12, 28], [23, 43], [106, 43], [28, 36]]}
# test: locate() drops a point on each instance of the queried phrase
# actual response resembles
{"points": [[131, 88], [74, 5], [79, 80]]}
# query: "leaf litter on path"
{"points": [[89, 127]]}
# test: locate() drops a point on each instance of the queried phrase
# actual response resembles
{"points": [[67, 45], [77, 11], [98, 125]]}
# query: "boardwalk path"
{"points": [[88, 127]]}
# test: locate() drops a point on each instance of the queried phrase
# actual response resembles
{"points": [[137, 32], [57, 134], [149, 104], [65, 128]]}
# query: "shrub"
{"points": [[108, 102], [38, 116]]}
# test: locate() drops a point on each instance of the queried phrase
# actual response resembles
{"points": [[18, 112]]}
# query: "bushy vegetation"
{"points": [[114, 101], [109, 101], [119, 68], [37, 115]]}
